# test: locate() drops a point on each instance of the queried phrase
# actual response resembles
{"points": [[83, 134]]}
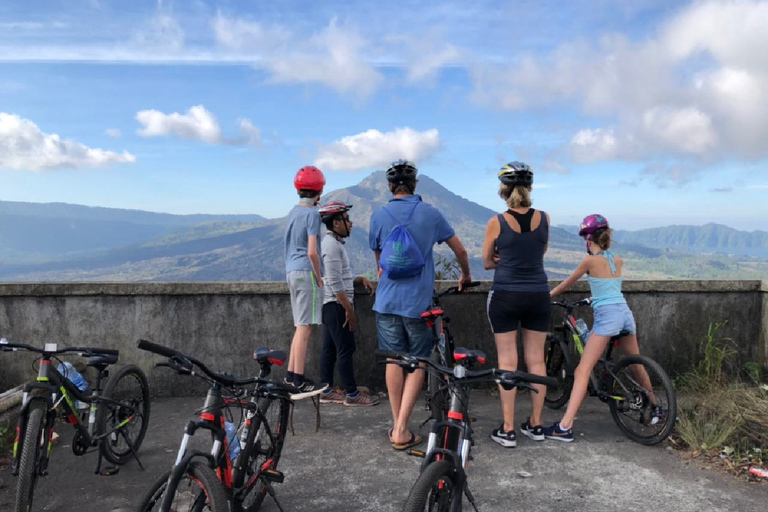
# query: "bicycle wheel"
{"points": [[30, 457], [268, 432], [435, 490], [199, 490], [633, 406], [557, 367], [125, 412]]}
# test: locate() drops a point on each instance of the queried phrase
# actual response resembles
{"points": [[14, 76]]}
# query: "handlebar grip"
{"points": [[390, 354], [538, 379], [157, 349], [105, 351]]}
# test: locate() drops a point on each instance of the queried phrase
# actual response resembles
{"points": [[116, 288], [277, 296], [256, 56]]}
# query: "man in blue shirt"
{"points": [[400, 302]]}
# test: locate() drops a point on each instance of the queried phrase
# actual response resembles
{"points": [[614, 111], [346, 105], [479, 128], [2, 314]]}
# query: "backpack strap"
{"points": [[406, 220]]}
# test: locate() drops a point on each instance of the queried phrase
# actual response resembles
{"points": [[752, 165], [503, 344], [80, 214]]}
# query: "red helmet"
{"points": [[309, 178]]}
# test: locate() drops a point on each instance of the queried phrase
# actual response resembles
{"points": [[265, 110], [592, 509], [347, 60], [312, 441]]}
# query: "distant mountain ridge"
{"points": [[58, 242], [708, 238]]}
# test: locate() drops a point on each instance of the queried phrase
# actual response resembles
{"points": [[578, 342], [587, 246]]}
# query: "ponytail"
{"points": [[518, 196]]}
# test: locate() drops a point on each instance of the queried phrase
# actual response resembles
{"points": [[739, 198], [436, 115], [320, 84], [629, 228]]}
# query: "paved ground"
{"points": [[349, 466]]}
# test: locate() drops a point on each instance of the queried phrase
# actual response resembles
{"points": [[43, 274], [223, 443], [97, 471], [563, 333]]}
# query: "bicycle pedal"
{"points": [[416, 453], [109, 471], [273, 475]]}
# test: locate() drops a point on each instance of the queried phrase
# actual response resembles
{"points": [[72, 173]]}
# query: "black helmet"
{"points": [[401, 170], [516, 173]]}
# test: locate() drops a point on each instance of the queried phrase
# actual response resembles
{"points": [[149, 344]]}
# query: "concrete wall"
{"points": [[221, 323]]}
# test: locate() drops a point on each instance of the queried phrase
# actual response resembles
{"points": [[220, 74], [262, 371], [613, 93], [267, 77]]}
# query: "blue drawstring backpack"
{"points": [[400, 256]]}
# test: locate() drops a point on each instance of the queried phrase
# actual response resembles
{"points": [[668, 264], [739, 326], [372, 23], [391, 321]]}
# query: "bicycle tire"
{"points": [[263, 448], [637, 429], [198, 477], [113, 447], [557, 367], [426, 494], [30, 457]]}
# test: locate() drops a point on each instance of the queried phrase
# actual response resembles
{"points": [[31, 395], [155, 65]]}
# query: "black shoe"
{"points": [[536, 433], [307, 389], [505, 439]]}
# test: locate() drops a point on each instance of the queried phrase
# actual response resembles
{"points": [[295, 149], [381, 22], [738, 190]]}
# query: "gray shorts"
{"points": [[306, 298]]}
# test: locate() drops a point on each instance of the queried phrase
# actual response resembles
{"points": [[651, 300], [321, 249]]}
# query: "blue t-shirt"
{"points": [[302, 222], [408, 297]]}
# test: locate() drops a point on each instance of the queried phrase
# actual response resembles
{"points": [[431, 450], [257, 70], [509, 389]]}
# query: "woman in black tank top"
{"points": [[514, 245]]}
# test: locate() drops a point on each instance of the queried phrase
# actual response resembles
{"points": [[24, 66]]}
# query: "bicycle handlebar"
{"points": [[455, 289], [178, 359], [508, 379], [83, 351], [571, 305]]}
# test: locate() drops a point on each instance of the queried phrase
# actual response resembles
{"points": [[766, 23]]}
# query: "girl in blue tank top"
{"points": [[611, 313]]}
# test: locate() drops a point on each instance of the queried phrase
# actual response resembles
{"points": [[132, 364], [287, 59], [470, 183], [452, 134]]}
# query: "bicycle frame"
{"points": [[57, 393]]}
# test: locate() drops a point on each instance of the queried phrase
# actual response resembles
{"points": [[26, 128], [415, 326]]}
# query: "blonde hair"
{"points": [[518, 196]]}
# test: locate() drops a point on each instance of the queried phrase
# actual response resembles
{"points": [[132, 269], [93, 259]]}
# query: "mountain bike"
{"points": [[646, 416], [211, 480], [437, 398], [442, 482], [115, 424]]}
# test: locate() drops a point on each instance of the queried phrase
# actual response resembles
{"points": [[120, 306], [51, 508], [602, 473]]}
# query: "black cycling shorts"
{"points": [[508, 311]]}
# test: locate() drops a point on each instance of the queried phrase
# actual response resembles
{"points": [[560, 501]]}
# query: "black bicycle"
{"points": [[443, 479], [645, 413], [443, 345], [115, 425], [211, 480]]}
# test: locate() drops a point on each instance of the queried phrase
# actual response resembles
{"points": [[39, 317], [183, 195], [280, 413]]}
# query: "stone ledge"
{"points": [[71, 289]]}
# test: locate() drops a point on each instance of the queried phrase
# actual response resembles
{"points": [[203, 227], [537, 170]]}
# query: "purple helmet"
{"points": [[590, 225]]}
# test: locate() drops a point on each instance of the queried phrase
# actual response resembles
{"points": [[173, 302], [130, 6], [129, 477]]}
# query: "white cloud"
{"points": [[24, 146], [113, 132], [692, 91], [197, 124], [372, 148], [427, 55]]}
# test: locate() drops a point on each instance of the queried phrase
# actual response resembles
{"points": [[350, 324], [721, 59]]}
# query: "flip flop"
{"points": [[413, 441], [390, 435]]}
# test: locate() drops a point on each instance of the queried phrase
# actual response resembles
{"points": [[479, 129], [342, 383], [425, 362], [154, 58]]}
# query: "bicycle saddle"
{"points": [[267, 355], [102, 359], [462, 355], [432, 313], [617, 339]]}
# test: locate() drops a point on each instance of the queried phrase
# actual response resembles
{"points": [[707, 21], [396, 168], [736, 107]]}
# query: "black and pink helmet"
{"points": [[331, 210], [590, 225]]}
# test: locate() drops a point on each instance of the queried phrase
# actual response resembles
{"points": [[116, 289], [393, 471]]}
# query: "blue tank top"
{"points": [[606, 290], [521, 258]]}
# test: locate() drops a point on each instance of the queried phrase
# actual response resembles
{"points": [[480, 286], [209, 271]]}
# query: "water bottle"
{"points": [[583, 329], [234, 444], [74, 376]]}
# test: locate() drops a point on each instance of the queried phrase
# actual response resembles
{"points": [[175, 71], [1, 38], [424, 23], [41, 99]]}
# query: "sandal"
{"points": [[413, 441], [389, 434]]}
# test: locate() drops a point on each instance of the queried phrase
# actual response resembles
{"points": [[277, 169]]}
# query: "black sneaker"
{"points": [[536, 433], [556, 433], [307, 389], [505, 439]]}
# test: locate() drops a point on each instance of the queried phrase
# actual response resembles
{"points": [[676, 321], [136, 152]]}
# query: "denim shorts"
{"points": [[611, 319], [403, 334]]}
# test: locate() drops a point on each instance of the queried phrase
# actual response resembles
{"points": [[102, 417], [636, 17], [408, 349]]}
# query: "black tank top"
{"points": [[521, 255]]}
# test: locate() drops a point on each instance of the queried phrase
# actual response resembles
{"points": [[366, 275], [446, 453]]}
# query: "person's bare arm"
{"points": [[492, 231], [546, 247], [314, 259], [580, 271], [461, 255]]}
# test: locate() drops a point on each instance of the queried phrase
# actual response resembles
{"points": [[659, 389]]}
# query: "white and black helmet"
{"points": [[401, 170], [516, 173]]}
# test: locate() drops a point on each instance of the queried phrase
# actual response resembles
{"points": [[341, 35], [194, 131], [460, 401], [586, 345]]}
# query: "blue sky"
{"points": [[650, 112]]}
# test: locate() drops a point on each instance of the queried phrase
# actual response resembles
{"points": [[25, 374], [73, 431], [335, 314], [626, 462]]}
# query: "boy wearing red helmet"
{"points": [[302, 268]]}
